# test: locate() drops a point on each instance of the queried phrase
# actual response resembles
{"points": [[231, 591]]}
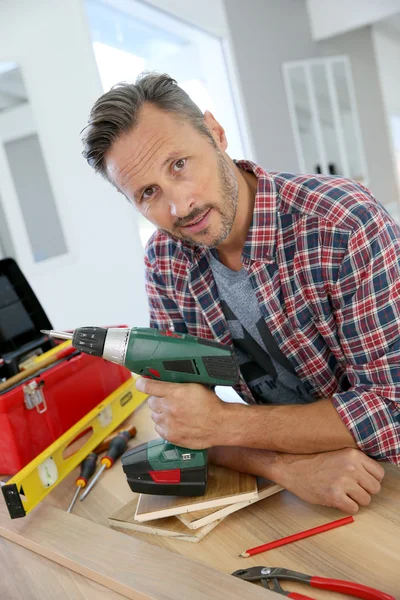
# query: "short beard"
{"points": [[229, 194]]}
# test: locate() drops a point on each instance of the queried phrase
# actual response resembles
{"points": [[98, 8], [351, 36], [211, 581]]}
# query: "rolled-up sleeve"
{"points": [[368, 322]]}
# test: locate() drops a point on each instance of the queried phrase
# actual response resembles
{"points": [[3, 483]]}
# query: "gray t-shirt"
{"points": [[268, 373]]}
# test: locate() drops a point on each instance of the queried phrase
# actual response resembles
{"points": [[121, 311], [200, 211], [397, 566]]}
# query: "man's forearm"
{"points": [[345, 479], [247, 460], [275, 466], [297, 429]]}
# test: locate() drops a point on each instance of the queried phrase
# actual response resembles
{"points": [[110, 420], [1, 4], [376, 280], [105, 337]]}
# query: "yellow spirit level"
{"points": [[28, 487]]}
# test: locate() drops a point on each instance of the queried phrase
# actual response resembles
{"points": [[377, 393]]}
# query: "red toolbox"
{"points": [[36, 412], [39, 409]]}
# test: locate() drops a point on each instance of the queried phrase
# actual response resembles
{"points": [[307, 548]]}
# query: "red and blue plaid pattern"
{"points": [[323, 257]]}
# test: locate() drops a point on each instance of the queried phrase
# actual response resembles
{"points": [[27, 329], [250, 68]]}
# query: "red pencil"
{"points": [[296, 536]]}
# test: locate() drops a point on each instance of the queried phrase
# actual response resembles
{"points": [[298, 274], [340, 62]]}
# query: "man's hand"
{"points": [[344, 479], [185, 414]]}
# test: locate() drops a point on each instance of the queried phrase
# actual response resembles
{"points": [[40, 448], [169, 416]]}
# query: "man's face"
{"points": [[176, 177]]}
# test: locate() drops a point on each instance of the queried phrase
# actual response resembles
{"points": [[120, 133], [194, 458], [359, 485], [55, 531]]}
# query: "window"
{"points": [[130, 37]]}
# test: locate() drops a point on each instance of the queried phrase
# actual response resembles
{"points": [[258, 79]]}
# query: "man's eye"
{"points": [[147, 193], [178, 166]]}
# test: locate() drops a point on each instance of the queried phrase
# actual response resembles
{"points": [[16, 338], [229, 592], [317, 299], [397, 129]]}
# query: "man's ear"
{"points": [[217, 131]]}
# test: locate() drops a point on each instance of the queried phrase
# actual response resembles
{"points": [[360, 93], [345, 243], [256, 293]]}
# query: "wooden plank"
{"points": [[119, 562], [171, 527], [200, 518], [28, 576], [224, 487]]}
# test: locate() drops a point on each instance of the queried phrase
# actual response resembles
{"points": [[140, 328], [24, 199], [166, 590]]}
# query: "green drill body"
{"points": [[179, 358]]}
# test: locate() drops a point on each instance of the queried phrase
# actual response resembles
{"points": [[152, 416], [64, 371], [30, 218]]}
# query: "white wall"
{"points": [[206, 14], [387, 49], [261, 47], [102, 282], [210, 15], [332, 17]]}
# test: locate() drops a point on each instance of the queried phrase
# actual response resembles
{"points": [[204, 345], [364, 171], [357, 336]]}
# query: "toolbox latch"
{"points": [[34, 397]]}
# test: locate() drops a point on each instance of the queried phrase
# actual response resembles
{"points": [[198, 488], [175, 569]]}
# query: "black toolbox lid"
{"points": [[21, 314]]}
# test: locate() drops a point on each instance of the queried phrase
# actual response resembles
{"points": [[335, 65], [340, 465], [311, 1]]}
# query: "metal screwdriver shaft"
{"points": [[71, 506], [116, 448], [88, 467], [92, 483]]}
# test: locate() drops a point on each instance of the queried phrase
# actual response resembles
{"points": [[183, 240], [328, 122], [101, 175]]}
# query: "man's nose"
{"points": [[181, 203]]}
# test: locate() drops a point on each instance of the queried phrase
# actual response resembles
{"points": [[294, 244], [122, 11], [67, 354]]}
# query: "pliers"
{"points": [[269, 577]]}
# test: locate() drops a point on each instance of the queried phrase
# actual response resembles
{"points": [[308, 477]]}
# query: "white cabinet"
{"points": [[324, 117]]}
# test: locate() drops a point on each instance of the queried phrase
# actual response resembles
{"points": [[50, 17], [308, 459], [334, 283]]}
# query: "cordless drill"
{"points": [[159, 467]]}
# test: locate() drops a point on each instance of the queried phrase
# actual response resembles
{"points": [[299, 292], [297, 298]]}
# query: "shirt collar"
{"points": [[260, 242]]}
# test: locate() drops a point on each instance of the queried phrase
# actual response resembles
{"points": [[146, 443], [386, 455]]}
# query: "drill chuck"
{"points": [[110, 343]]}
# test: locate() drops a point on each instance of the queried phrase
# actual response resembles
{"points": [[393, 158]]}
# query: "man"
{"points": [[300, 273]]}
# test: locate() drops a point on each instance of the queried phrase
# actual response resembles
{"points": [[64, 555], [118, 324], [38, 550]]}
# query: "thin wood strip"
{"points": [[28, 576], [200, 518], [170, 527], [121, 563]]}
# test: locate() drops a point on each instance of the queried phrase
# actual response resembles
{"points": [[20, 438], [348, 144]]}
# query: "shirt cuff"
{"points": [[373, 421]]}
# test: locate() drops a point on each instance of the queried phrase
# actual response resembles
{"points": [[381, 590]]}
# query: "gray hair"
{"points": [[117, 112]]}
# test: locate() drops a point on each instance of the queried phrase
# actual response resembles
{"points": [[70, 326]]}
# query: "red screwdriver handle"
{"points": [[348, 587], [88, 467]]}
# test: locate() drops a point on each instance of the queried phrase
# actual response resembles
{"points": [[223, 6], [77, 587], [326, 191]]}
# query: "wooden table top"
{"points": [[366, 551]]}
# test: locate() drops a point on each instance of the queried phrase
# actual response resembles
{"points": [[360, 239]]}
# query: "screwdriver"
{"points": [[103, 446], [117, 447], [88, 467]]}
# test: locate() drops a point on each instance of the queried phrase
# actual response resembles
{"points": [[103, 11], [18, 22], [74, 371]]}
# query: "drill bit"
{"points": [[61, 335]]}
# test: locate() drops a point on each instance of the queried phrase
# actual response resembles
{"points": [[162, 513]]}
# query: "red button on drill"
{"points": [[155, 373], [171, 334], [171, 476]]}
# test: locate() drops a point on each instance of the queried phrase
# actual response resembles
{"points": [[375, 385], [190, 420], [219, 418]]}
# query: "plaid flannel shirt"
{"points": [[323, 257]]}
